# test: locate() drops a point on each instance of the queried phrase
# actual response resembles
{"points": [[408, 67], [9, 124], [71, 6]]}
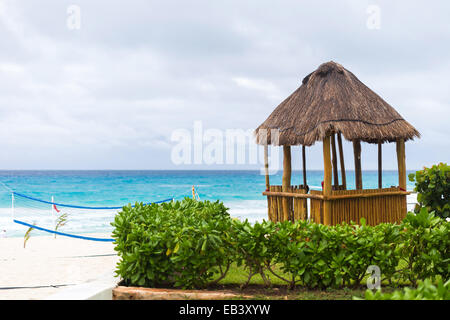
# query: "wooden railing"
{"points": [[375, 205], [297, 203]]}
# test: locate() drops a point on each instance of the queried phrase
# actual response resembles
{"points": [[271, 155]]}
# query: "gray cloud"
{"points": [[110, 94]]}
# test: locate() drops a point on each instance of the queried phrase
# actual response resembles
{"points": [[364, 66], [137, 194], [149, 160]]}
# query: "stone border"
{"points": [[137, 293]]}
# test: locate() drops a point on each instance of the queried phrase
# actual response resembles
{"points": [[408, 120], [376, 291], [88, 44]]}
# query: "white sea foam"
{"points": [[253, 210]]}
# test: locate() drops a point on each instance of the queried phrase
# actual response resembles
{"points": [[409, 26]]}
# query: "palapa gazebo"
{"points": [[330, 104]]}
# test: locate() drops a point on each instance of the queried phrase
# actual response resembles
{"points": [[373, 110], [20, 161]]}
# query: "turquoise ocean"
{"points": [[241, 192]]}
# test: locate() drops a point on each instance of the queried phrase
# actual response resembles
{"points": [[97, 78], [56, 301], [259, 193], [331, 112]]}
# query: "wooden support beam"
{"points": [[266, 172], [335, 197], [304, 165], [334, 161], [326, 180], [341, 160], [380, 166], [266, 166], [286, 180], [293, 195], [357, 154], [401, 163], [367, 195]]}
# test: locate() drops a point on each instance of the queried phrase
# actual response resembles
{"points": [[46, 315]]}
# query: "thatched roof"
{"points": [[331, 99]]}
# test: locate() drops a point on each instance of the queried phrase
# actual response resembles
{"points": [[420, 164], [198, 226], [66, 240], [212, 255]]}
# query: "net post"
{"points": [[53, 212], [12, 205]]}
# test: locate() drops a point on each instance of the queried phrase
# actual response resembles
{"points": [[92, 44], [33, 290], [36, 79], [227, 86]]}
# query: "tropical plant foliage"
{"points": [[27, 235], [433, 188], [191, 244], [184, 243], [61, 221], [426, 290], [425, 246]]}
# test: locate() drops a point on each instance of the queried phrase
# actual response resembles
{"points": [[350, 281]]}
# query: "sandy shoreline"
{"points": [[46, 262]]}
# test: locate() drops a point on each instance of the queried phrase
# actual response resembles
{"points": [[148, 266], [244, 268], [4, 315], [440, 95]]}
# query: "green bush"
{"points": [[183, 244], [308, 254], [433, 188], [426, 290], [425, 246], [252, 247], [315, 255], [191, 244]]}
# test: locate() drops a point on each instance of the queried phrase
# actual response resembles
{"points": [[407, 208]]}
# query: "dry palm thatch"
{"points": [[331, 100]]}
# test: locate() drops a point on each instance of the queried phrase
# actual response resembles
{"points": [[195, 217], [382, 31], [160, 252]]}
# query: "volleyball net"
{"points": [[64, 219]]}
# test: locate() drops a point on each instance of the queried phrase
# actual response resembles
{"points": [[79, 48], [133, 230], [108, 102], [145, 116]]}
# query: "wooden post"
{"points": [[286, 183], [341, 160], [326, 180], [304, 166], [334, 159], [357, 154], [266, 172], [266, 166], [380, 167], [305, 183], [402, 175], [401, 164]]}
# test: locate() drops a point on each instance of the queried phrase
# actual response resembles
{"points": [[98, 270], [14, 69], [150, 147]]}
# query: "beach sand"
{"points": [[52, 264]]}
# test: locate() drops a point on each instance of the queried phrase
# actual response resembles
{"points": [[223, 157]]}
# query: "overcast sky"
{"points": [[109, 94]]}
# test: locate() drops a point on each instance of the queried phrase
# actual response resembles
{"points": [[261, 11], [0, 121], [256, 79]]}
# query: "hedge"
{"points": [[191, 244], [181, 244], [433, 189], [426, 290]]}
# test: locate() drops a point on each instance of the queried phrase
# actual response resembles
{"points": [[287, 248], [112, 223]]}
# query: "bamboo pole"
{"points": [[357, 154], [266, 166], [326, 180], [286, 181], [293, 195], [304, 165], [273, 206], [341, 160], [380, 166], [279, 205], [367, 195], [305, 183], [401, 163], [266, 172], [334, 160], [335, 197]]}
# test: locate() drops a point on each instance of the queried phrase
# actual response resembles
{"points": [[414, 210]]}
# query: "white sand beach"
{"points": [[47, 265]]}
